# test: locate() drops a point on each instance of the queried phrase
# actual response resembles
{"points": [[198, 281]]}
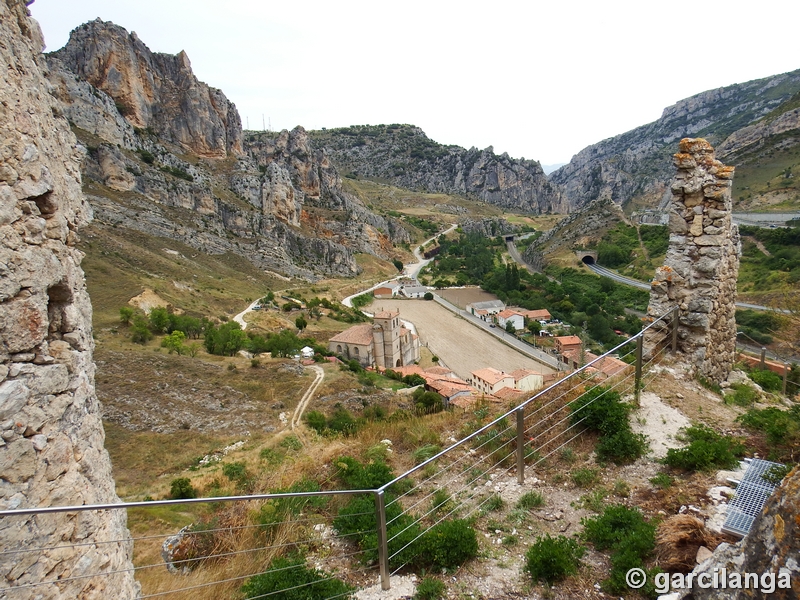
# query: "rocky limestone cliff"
{"points": [[277, 202], [154, 90], [405, 156], [52, 444], [633, 168], [702, 263]]}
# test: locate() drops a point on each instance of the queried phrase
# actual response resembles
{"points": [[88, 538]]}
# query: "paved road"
{"points": [[603, 272], [409, 270]]}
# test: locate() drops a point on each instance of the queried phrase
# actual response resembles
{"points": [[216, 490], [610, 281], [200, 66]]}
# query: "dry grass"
{"points": [[678, 539]]}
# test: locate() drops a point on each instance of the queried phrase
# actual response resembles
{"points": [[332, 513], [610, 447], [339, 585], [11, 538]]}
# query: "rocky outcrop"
{"points": [[404, 155], [152, 90], [277, 202], [634, 167], [51, 448], [702, 263], [490, 227], [770, 550]]}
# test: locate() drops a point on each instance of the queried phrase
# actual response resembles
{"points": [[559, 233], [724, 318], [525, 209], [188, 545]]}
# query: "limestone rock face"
{"points": [[404, 155], [154, 90], [702, 263], [51, 447]]}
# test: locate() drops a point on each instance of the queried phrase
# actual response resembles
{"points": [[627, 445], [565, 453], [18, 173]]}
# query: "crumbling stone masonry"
{"points": [[702, 264], [51, 434]]}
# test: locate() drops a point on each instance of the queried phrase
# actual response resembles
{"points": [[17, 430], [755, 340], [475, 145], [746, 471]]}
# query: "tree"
{"points": [[428, 296], [159, 320], [125, 315], [301, 323], [174, 341], [510, 327], [398, 264]]}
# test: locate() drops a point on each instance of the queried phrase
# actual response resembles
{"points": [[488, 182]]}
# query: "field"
{"points": [[463, 296], [458, 344]]}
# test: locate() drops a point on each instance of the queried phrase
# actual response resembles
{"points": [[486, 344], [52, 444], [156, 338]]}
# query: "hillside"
{"points": [[404, 156], [753, 124]]}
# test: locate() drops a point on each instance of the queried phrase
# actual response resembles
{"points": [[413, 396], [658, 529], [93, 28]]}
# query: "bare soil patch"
{"points": [[463, 296], [459, 345]]}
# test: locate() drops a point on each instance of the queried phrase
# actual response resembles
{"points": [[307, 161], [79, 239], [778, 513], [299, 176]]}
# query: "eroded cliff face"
{"points": [[154, 90], [52, 445], [274, 200], [404, 155]]}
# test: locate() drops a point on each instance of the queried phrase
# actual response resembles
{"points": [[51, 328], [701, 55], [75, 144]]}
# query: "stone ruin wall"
{"points": [[702, 264], [52, 441]]}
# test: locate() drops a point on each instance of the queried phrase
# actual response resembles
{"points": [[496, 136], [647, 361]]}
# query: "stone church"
{"points": [[385, 344]]}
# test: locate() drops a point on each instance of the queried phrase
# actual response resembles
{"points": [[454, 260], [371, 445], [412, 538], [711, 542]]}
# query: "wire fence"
{"points": [[266, 545]]}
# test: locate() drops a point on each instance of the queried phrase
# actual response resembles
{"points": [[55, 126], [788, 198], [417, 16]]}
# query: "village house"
{"points": [[385, 343], [516, 318], [387, 290], [567, 343], [542, 315], [414, 291], [489, 380], [485, 310]]}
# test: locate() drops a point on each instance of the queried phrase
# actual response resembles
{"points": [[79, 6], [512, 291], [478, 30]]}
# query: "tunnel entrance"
{"points": [[587, 257]]}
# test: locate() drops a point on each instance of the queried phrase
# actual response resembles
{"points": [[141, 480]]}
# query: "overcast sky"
{"points": [[536, 80]]}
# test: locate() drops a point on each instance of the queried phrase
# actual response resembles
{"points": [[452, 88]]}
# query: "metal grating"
{"points": [[751, 494]]}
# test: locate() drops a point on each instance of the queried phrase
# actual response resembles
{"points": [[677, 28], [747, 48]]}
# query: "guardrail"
{"points": [[217, 561]]}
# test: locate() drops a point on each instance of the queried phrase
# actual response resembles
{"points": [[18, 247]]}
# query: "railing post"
{"points": [[675, 313], [785, 376], [763, 358], [638, 377], [520, 445], [383, 544]]}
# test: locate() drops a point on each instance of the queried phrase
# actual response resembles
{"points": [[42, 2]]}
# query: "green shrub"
{"points": [[182, 488], [781, 429], [584, 477], [662, 481], [530, 500], [631, 540], [622, 447], [316, 420], [615, 524], [552, 559], [234, 470], [430, 589], [706, 450], [358, 476], [768, 380], [492, 503], [425, 452], [600, 409], [448, 545], [743, 395], [293, 580]]}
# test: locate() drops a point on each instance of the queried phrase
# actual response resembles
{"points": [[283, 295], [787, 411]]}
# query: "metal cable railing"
{"points": [[524, 436]]}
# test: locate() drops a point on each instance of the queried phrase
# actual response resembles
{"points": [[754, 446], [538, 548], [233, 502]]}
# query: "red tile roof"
{"points": [[490, 375]]}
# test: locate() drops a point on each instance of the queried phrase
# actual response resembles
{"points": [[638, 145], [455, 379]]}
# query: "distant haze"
{"points": [[536, 80], [550, 168]]}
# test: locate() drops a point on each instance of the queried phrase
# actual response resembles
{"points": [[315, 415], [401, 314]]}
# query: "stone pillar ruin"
{"points": [[52, 441], [702, 264]]}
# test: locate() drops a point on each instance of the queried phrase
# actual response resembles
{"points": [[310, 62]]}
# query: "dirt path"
{"points": [[303, 404]]}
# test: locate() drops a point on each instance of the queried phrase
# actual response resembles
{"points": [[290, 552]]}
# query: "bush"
{"points": [[430, 589], [602, 410], [706, 450], [781, 429], [530, 500], [584, 477], [293, 580], [427, 296], [743, 395], [631, 539], [448, 545], [552, 559], [772, 382], [182, 488]]}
